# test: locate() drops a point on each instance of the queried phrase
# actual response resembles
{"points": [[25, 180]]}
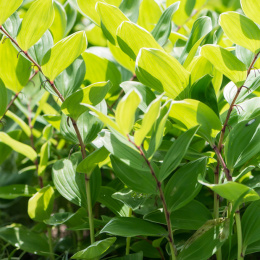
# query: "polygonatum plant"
{"points": [[130, 129]]}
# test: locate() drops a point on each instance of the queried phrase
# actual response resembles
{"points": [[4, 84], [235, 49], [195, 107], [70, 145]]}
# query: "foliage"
{"points": [[129, 129]]}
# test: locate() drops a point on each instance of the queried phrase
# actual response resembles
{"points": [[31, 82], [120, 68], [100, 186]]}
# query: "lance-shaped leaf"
{"points": [[226, 63], [3, 98], [92, 95], [131, 9], [16, 190], [162, 72], [7, 8], [232, 191], [131, 38], [189, 113], [15, 72], [251, 8], [242, 143], [125, 111], [41, 204], [111, 18], [71, 185], [19, 147], [44, 155], [246, 33], [150, 116], [162, 30], [63, 53], [95, 250], [35, 23]]}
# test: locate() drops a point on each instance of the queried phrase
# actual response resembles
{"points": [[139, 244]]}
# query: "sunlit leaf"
{"points": [[251, 9], [7, 8]]}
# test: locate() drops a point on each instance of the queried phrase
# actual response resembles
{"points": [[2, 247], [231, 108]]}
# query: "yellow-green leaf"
{"points": [[44, 155], [35, 23], [252, 9], [111, 18], [63, 53], [162, 72], [41, 204], [190, 112], [245, 32], [226, 63], [131, 38], [125, 111], [149, 119], [3, 98], [19, 147], [58, 27], [14, 72], [7, 8]]}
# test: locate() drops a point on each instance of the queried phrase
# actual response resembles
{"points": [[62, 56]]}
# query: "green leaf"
{"points": [[12, 24], [41, 204], [44, 155], [131, 227], [183, 185], [3, 98], [131, 9], [16, 190], [35, 23], [190, 113], [148, 120], [162, 30], [71, 185], [245, 33], [232, 191], [15, 72], [147, 248], [162, 72], [176, 152], [131, 38], [25, 239], [21, 148], [205, 241], [133, 178], [58, 27], [251, 224], [251, 9], [7, 8], [91, 95], [111, 17], [89, 164], [95, 250], [125, 111], [149, 14], [137, 256], [242, 143], [189, 217], [63, 53], [226, 63]]}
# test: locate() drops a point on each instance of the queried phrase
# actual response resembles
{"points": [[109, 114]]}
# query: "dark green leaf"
{"points": [[16, 190]]}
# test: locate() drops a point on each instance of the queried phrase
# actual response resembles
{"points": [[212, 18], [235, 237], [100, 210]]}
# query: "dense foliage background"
{"points": [[129, 129]]}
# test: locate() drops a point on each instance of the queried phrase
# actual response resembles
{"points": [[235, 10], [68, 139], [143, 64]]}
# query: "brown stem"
{"points": [[162, 197]]}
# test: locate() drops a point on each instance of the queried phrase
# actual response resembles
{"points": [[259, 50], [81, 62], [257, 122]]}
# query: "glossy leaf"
{"points": [[111, 18], [190, 113], [232, 191], [7, 8], [162, 30], [16, 190], [245, 33], [15, 72], [125, 111], [176, 152], [63, 53], [19, 147], [71, 185], [183, 185], [35, 23], [226, 63], [91, 95], [242, 143], [41, 204], [95, 250], [251, 9], [130, 227], [131, 38], [162, 72]]}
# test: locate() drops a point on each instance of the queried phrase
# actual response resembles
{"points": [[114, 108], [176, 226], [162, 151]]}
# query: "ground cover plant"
{"points": [[129, 129]]}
